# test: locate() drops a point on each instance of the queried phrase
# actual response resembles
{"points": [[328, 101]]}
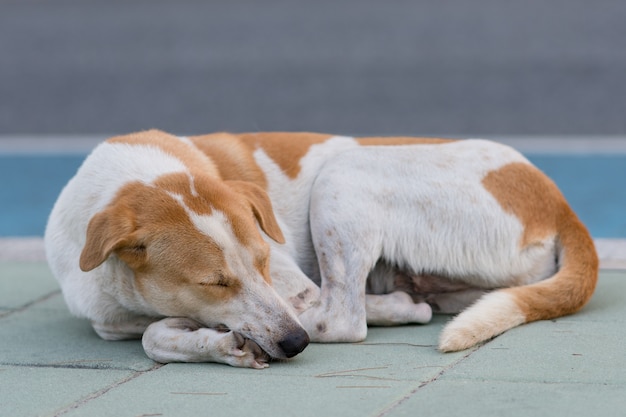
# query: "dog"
{"points": [[239, 248]]}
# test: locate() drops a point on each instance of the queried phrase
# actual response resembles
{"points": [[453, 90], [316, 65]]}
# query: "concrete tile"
{"points": [[550, 352], [397, 353], [27, 391], [48, 335], [326, 379], [423, 335], [577, 348], [55, 302], [570, 366], [512, 399], [585, 347], [22, 282], [192, 390]]}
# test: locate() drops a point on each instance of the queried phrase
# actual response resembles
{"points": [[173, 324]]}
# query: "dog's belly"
{"points": [[443, 294]]}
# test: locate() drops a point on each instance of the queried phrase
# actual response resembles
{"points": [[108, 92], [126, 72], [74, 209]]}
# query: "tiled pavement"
{"points": [[53, 364]]}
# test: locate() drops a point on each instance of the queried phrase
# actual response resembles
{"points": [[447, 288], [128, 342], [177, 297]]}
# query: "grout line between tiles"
{"points": [[29, 304], [397, 403], [97, 394]]}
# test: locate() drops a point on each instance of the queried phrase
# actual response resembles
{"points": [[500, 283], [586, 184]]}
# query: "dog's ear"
{"points": [[261, 207], [108, 231]]}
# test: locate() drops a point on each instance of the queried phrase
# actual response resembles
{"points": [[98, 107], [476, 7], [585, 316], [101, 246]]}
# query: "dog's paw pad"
{"points": [[246, 353]]}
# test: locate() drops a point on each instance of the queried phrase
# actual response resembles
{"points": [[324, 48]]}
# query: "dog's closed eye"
{"points": [[219, 280]]}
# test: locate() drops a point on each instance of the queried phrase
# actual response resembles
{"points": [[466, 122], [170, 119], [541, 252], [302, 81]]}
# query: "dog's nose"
{"points": [[294, 343]]}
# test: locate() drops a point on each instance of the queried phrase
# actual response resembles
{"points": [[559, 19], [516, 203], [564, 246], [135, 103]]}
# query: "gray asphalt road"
{"points": [[353, 66]]}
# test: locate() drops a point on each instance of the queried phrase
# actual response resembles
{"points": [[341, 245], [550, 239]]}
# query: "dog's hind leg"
{"points": [[395, 308], [390, 298], [185, 340]]}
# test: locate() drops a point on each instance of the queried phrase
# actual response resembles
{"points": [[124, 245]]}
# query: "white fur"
{"points": [[290, 198], [183, 340], [423, 209], [104, 172], [493, 314], [395, 308], [420, 208], [107, 295]]}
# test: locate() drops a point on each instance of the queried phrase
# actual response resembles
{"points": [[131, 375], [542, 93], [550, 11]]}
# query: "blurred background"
{"points": [[540, 71], [430, 67]]}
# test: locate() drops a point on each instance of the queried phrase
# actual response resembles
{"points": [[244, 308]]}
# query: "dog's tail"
{"points": [[564, 293]]}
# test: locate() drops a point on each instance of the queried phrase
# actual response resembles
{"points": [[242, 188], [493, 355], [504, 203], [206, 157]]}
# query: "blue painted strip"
{"points": [[594, 186], [29, 185]]}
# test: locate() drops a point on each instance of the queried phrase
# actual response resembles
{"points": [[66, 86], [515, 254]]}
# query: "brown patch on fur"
{"points": [[239, 201], [180, 184], [524, 191], [285, 148], [400, 140], [261, 206], [185, 153], [179, 269], [159, 242], [572, 286], [233, 158]]}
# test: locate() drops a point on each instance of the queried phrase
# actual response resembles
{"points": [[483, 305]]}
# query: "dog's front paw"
{"points": [[179, 339], [240, 351]]}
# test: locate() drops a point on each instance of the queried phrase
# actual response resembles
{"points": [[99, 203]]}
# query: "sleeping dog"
{"points": [[240, 248]]}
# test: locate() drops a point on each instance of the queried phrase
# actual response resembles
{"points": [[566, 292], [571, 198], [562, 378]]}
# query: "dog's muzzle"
{"points": [[294, 343]]}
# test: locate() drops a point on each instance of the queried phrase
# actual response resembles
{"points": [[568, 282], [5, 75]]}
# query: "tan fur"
{"points": [[225, 158], [261, 208], [286, 149], [569, 289], [223, 196], [177, 252], [163, 232], [194, 160], [160, 245], [232, 154], [514, 186], [233, 159]]}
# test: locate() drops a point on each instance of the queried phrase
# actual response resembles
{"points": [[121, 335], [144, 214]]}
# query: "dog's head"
{"points": [[196, 251]]}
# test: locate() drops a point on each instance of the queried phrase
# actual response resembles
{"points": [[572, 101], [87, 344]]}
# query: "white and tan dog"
{"points": [[233, 248]]}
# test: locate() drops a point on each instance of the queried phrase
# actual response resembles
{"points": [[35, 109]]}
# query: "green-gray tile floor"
{"points": [[52, 364]]}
